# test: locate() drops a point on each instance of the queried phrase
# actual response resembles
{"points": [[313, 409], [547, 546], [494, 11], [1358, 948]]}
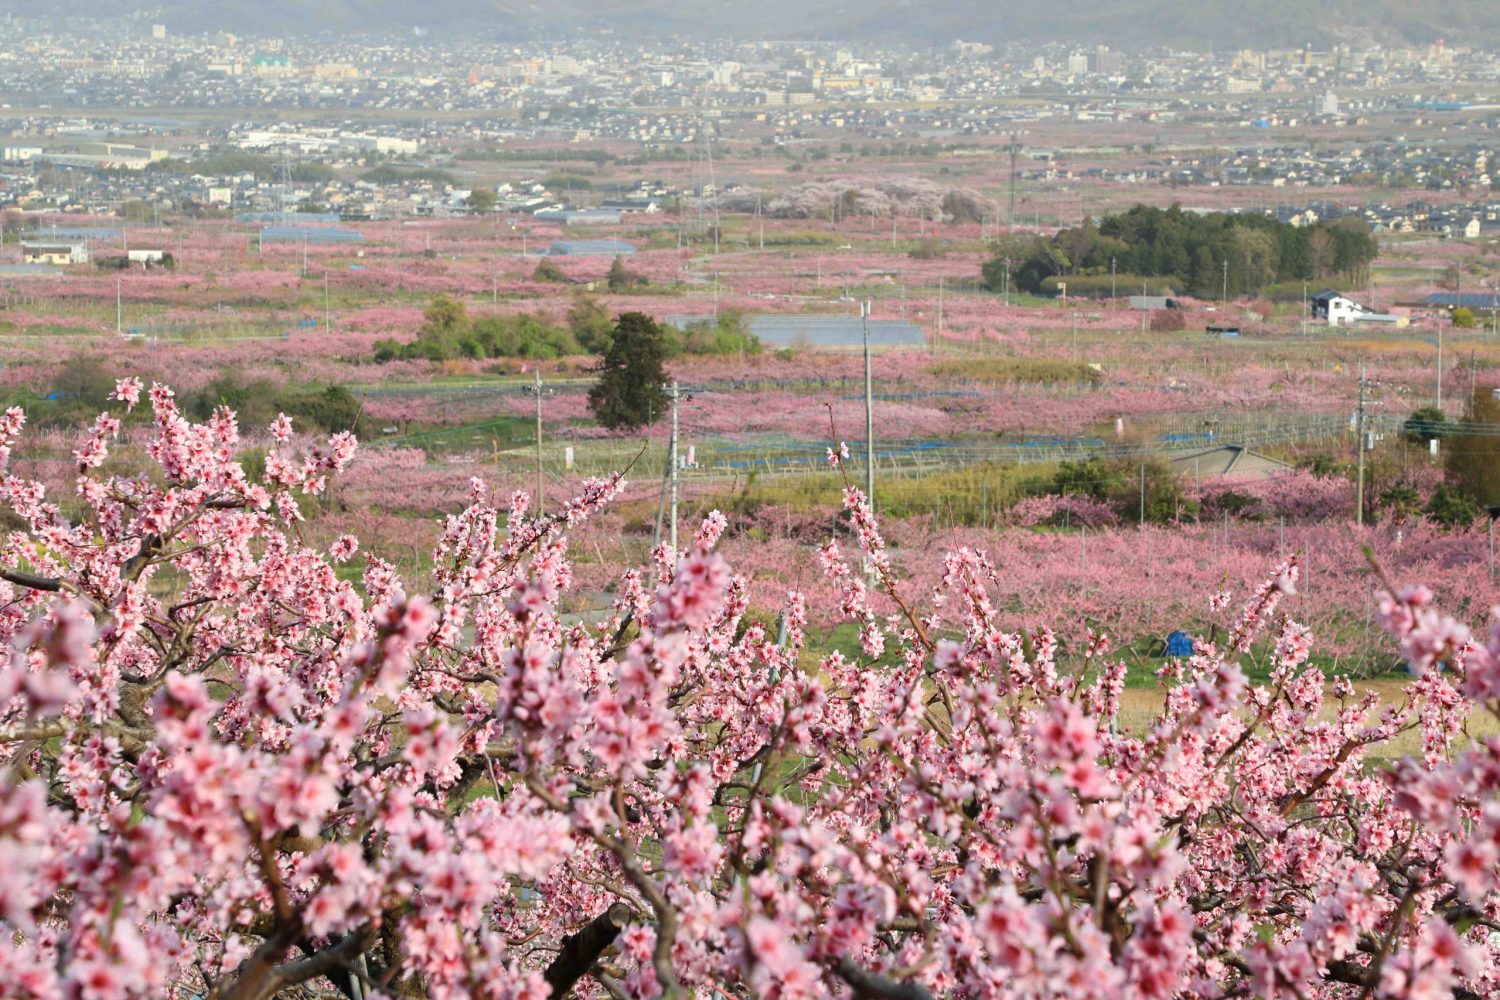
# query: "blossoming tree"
{"points": [[231, 767]]}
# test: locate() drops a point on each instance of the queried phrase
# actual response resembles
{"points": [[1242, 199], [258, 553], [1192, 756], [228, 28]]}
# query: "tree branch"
{"points": [[869, 986], [580, 951], [31, 581]]}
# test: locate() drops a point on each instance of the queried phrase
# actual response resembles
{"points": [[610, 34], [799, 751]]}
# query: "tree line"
{"points": [[1188, 250]]}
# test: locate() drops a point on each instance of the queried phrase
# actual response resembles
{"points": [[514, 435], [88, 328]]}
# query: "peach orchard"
{"points": [[234, 765]]}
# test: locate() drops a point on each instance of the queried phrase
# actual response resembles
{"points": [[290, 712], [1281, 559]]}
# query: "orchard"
{"points": [[235, 767]]}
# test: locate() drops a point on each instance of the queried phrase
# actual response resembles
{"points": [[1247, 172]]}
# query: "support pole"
{"points": [[1143, 493], [864, 313], [537, 389], [672, 457], [1359, 442]]}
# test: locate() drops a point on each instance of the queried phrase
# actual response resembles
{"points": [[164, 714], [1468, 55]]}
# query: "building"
{"points": [[1230, 461], [55, 253], [590, 248], [1337, 309]]}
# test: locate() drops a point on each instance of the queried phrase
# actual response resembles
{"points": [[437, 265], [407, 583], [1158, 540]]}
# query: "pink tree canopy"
{"points": [[233, 767]]}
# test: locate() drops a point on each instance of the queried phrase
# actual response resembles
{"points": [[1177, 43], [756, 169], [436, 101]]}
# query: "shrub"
{"points": [[1451, 507]]}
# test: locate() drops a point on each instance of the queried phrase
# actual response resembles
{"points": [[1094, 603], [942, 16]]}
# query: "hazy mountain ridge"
{"points": [[1122, 23]]}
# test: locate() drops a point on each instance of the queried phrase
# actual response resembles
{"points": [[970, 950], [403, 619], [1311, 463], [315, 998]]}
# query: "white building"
{"points": [[1337, 309]]}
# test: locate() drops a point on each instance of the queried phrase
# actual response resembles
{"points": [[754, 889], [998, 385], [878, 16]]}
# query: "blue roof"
{"points": [[310, 234], [1466, 300], [70, 233], [819, 330], [291, 218], [585, 248]]}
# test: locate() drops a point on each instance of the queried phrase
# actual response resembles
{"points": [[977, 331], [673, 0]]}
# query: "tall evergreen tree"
{"points": [[630, 392]]}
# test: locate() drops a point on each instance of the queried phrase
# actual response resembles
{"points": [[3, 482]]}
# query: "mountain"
{"points": [[1120, 23]]}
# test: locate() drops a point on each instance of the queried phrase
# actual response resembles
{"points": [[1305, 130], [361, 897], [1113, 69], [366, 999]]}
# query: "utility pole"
{"points": [[119, 311], [1472, 373], [672, 459], [1359, 442], [864, 313], [1015, 149], [1111, 279], [1304, 307], [327, 315], [537, 390], [1143, 494], [940, 307], [1440, 363], [1007, 281], [1224, 297]]}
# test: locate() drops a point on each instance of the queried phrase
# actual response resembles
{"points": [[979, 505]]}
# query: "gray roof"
{"points": [[820, 330], [310, 234], [1230, 461]]}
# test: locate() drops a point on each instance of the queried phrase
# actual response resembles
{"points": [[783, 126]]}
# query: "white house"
{"points": [[1338, 309]]}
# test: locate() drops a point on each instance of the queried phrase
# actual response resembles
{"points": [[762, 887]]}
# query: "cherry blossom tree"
{"points": [[232, 766]]}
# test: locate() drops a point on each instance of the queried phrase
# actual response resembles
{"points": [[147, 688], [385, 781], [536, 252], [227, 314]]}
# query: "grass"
{"points": [[1138, 706]]}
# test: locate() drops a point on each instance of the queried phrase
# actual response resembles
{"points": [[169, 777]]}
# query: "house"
{"points": [[1337, 309], [55, 253], [147, 257]]}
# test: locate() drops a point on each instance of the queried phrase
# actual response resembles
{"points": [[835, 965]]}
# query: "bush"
{"points": [[620, 279], [724, 336], [548, 272], [1451, 508], [591, 324], [1425, 424], [1463, 318], [448, 334], [931, 248]]}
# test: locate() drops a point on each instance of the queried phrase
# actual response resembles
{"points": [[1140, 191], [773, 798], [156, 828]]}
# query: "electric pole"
{"points": [[940, 308], [1224, 297], [1359, 435], [1143, 494], [327, 316], [1015, 149], [1440, 363], [119, 311], [537, 390], [672, 460], [864, 313]]}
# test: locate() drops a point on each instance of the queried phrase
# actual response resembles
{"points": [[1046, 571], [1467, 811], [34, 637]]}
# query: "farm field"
{"points": [[977, 430]]}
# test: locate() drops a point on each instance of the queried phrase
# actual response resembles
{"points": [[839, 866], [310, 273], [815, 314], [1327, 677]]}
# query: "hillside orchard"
{"points": [[234, 764]]}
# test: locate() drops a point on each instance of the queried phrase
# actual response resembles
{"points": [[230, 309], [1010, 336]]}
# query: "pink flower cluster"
{"points": [[228, 770]]}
